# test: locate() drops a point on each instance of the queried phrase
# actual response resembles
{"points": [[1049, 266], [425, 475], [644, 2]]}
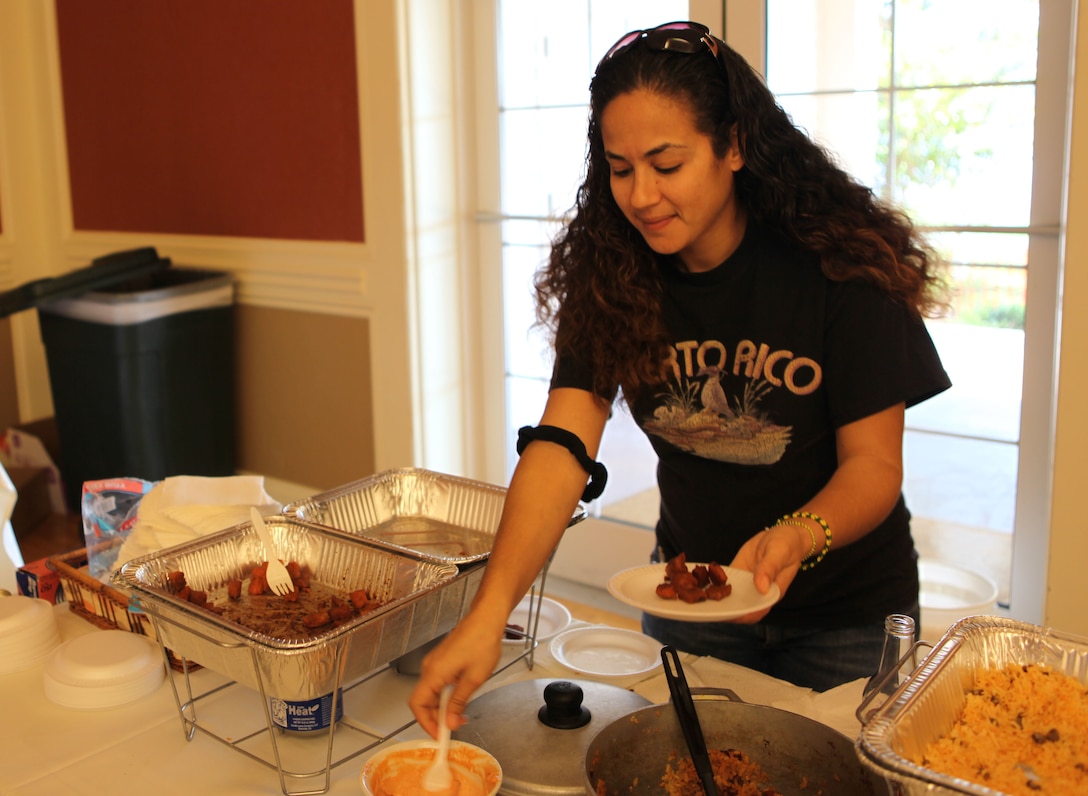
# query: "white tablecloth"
{"points": [[141, 748]]}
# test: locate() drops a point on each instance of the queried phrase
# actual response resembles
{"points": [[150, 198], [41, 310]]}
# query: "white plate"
{"points": [[600, 651], [554, 617], [638, 587]]}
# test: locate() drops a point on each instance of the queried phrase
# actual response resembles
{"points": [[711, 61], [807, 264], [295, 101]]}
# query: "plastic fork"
{"points": [[438, 778], [279, 579]]}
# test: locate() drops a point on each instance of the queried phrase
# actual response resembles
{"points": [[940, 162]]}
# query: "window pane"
{"points": [[610, 19], [527, 351], [989, 295], [632, 466], [548, 51], [543, 152], [988, 276], [528, 232], [544, 53], [986, 366], [982, 248], [963, 156], [965, 41], [850, 126], [524, 405], [828, 45], [982, 342], [963, 481]]}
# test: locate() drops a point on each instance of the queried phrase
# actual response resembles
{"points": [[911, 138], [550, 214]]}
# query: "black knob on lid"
{"points": [[562, 709]]}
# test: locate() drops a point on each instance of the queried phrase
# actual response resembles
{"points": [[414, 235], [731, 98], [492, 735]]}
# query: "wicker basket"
{"points": [[101, 604]]}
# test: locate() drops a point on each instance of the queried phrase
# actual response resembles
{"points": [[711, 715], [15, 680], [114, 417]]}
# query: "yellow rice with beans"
{"points": [[1023, 730]]}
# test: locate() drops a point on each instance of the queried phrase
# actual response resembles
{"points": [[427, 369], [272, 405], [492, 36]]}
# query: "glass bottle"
{"points": [[898, 640]]}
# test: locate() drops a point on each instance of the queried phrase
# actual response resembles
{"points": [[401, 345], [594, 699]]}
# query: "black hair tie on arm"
{"points": [[598, 475]]}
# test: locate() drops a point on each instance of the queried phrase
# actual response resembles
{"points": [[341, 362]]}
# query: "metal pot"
{"points": [[801, 756]]}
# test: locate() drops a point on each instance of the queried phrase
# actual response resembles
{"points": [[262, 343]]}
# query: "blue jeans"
{"points": [[815, 658]]}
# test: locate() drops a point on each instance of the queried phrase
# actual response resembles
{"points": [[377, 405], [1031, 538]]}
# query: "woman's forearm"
{"points": [[543, 495]]}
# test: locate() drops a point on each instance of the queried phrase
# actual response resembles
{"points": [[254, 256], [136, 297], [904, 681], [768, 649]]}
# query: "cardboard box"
{"points": [[33, 505], [36, 579]]}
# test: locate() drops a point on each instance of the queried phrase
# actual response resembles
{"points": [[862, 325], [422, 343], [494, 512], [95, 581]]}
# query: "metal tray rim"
{"points": [[298, 508]]}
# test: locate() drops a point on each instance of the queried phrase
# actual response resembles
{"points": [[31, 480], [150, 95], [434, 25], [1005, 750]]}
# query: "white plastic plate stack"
{"points": [[103, 670], [28, 632]]}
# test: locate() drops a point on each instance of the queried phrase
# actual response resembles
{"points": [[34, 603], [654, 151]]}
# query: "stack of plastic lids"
{"points": [[103, 670], [28, 632]]}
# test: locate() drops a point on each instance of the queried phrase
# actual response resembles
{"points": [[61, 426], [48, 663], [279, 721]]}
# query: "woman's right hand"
{"points": [[465, 658]]}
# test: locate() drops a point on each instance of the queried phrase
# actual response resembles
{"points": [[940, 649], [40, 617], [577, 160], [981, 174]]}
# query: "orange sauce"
{"points": [[401, 773]]}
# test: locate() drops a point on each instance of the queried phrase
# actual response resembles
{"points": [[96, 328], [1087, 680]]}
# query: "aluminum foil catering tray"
{"points": [[929, 702], [440, 517], [420, 601]]}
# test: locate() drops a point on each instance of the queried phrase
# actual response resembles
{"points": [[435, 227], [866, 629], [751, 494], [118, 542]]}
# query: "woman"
{"points": [[761, 314]]}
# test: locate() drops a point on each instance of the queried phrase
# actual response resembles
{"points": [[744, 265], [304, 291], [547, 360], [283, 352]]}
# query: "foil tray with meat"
{"points": [[932, 698], [443, 518], [412, 601]]}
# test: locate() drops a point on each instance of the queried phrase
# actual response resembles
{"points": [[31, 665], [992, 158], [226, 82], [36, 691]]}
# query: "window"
{"points": [[932, 105], [940, 106], [953, 109], [547, 54]]}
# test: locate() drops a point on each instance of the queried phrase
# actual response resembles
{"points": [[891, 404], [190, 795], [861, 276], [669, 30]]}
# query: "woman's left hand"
{"points": [[772, 556], [870, 455]]}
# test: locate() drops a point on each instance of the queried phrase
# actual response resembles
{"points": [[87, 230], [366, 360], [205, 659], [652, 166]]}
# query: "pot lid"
{"points": [[539, 730]]}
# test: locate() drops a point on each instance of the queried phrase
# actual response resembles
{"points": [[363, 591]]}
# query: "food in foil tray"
{"points": [[1023, 729], [309, 609]]}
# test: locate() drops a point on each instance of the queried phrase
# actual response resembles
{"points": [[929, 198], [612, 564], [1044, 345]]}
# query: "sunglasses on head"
{"points": [[679, 37]]}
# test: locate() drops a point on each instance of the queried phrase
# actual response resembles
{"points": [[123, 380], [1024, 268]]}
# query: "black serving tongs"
{"points": [[689, 719]]}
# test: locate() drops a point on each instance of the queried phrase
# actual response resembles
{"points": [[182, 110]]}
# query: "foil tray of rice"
{"points": [[389, 603], [999, 706], [440, 517]]}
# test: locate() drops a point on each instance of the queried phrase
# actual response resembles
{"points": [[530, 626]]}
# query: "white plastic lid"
{"points": [[102, 670]]}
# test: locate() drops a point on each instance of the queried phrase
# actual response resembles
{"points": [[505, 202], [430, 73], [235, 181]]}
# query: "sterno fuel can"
{"points": [[308, 715]]}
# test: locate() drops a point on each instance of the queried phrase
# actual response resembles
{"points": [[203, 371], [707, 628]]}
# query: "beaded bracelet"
{"points": [[807, 527], [808, 515]]}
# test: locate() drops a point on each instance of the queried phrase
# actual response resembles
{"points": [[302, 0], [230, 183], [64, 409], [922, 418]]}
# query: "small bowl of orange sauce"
{"points": [[397, 770]]}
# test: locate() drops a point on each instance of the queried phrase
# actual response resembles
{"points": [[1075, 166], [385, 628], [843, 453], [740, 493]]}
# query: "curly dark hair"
{"points": [[600, 291]]}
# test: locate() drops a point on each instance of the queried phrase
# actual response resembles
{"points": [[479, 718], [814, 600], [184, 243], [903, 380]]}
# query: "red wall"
{"points": [[212, 117]]}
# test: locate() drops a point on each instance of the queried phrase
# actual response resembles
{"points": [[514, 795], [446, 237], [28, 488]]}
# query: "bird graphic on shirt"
{"points": [[713, 396]]}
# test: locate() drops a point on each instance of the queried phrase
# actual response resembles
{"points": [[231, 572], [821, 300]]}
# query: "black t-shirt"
{"points": [[770, 358]]}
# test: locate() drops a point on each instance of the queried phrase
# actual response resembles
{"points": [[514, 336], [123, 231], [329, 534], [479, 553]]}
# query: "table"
{"points": [[141, 748]]}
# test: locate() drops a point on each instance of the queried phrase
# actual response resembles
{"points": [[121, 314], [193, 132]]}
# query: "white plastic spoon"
{"points": [[438, 777]]}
